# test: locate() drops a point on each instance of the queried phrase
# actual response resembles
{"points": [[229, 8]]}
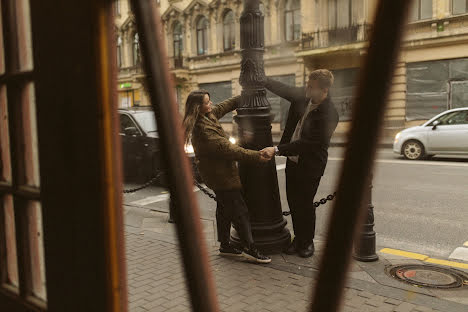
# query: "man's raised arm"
{"points": [[289, 93]]}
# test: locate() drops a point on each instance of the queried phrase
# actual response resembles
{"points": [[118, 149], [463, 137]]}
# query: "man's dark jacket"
{"points": [[317, 129]]}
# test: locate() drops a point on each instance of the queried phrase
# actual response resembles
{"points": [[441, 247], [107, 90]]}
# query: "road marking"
{"points": [[424, 258], [460, 253], [412, 162], [448, 263], [405, 254], [155, 199]]}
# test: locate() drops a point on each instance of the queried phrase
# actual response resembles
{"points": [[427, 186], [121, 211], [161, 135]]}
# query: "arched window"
{"points": [[119, 51], [229, 31], [292, 20], [202, 36], [178, 44], [136, 50]]}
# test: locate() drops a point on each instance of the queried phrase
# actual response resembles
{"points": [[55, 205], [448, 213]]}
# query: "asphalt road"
{"points": [[420, 206]]}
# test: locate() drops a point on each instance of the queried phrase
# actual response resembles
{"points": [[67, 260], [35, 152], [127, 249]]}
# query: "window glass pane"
{"points": [[297, 24], [459, 118], [289, 26], [459, 94], [459, 6], [458, 69], [219, 91], [10, 241], [36, 248], [414, 11], [200, 41], [342, 91], [426, 9], [332, 14], [427, 89], [421, 106], [5, 164], [24, 35], [427, 77], [30, 176], [343, 12], [280, 106]]}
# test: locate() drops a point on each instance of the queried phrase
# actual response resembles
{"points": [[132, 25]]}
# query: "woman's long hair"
{"points": [[192, 111]]}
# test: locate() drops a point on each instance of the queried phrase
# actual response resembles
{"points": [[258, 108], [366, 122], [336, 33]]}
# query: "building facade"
{"points": [[203, 48]]}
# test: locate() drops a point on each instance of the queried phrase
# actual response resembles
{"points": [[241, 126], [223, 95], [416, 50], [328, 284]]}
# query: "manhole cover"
{"points": [[428, 275]]}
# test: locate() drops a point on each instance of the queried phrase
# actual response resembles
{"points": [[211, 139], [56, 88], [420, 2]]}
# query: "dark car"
{"points": [[141, 152]]}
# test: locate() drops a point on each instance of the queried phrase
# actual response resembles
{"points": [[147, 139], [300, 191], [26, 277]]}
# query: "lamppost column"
{"points": [[260, 182]]}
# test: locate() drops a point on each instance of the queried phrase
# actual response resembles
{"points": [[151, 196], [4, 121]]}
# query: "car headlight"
{"points": [[189, 149], [397, 136], [232, 140]]}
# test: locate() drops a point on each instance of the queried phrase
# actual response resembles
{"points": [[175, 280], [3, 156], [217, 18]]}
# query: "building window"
{"points": [[136, 50], [459, 7], [119, 51], [421, 10], [339, 14], [202, 36], [292, 20], [229, 31], [178, 45], [343, 90], [435, 86], [219, 91], [280, 106]]}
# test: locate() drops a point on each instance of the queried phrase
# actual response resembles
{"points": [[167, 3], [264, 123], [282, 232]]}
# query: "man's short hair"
{"points": [[323, 76]]}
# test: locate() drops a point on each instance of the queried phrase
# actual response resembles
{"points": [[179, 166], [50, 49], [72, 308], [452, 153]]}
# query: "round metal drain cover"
{"points": [[429, 275]]}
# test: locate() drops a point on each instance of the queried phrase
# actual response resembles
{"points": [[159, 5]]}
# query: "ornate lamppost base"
{"points": [[271, 238]]}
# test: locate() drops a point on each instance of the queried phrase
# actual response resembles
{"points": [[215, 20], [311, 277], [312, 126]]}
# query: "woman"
{"points": [[217, 157]]}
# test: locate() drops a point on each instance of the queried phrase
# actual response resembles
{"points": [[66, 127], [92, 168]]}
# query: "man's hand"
{"points": [[268, 152]]}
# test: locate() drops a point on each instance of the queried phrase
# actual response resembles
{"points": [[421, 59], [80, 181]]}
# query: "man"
{"points": [[312, 119]]}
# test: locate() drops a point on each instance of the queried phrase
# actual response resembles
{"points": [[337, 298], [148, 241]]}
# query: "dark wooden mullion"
{"points": [[9, 302], [21, 77], [3, 254]]}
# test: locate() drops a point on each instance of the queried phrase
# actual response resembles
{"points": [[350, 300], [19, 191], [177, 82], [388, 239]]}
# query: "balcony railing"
{"points": [[335, 37], [132, 70]]}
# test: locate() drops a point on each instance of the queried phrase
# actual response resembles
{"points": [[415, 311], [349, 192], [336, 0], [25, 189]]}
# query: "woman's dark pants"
{"points": [[231, 209]]}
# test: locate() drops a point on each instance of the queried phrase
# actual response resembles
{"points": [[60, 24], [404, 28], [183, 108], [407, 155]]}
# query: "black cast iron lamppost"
{"points": [[260, 182], [365, 246]]}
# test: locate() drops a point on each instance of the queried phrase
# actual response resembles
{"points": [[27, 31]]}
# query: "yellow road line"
{"points": [[405, 254], [448, 263], [424, 258]]}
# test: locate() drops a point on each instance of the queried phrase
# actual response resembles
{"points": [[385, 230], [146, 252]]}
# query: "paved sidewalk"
{"points": [[156, 280]]}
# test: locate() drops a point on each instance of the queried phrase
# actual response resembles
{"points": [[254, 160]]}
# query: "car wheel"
{"points": [[413, 150]]}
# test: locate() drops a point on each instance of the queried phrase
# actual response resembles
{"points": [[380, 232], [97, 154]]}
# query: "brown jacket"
{"points": [[216, 155]]}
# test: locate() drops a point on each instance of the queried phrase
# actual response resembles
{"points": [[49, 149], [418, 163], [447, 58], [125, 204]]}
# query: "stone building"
{"points": [[203, 47]]}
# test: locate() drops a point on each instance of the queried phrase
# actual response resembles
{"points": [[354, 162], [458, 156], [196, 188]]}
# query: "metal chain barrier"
{"points": [[205, 191], [147, 184]]}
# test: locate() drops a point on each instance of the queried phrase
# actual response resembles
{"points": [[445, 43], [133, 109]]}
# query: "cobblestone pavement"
{"points": [[156, 283]]}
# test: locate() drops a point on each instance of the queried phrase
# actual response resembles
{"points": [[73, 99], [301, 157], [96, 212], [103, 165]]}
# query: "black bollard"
{"points": [[365, 247]]}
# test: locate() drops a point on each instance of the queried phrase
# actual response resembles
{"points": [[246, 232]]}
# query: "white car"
{"points": [[446, 133]]}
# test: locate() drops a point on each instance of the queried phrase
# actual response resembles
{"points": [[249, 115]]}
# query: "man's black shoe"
{"points": [[307, 251], [229, 250], [252, 254], [292, 248]]}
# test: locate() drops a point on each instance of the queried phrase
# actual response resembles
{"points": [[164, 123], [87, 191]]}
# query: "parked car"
{"points": [[141, 152], [446, 133]]}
